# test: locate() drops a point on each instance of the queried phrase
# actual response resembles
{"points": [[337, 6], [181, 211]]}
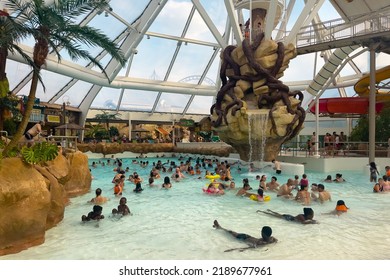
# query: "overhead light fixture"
{"points": [[147, 37], [186, 43], [106, 14]]}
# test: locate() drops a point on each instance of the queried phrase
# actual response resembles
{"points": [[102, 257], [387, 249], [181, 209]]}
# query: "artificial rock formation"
{"points": [[254, 111], [33, 198]]}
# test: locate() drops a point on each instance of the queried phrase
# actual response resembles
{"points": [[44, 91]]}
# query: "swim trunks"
{"points": [[242, 236], [28, 136], [288, 217]]}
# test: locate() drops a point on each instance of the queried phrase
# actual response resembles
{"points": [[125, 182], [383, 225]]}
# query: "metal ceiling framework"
{"points": [[137, 30]]}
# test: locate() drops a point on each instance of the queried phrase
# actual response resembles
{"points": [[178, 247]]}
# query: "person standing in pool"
{"points": [[277, 167], [373, 172], [99, 199], [253, 242], [305, 218]]}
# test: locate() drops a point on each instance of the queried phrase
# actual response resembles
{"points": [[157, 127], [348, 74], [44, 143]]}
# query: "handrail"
{"points": [[349, 149], [69, 142], [338, 29]]}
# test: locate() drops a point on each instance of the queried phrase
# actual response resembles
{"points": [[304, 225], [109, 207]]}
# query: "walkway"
{"points": [[365, 31]]}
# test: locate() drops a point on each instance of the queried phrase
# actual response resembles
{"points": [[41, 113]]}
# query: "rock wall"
{"points": [[33, 198]]}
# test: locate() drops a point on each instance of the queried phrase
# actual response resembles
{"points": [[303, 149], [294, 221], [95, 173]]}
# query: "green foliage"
{"points": [[382, 128], [95, 130], [10, 126], [39, 153], [101, 134], [114, 131]]}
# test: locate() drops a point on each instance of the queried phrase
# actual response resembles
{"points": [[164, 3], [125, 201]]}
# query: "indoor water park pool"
{"points": [[177, 223]]}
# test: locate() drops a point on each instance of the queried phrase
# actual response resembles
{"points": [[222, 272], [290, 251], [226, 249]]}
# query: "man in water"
{"points": [[253, 242]]}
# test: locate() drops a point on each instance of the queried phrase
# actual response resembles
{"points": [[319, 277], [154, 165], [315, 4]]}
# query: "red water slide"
{"points": [[344, 105]]}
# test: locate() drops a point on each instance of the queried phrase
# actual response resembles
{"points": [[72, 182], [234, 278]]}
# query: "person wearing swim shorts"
{"points": [[305, 218], [34, 131], [253, 242]]}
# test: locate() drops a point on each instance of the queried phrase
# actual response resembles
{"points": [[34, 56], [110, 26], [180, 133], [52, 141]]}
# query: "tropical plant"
{"points": [[113, 131], [11, 33], [54, 28], [106, 117], [382, 127], [39, 153], [9, 103]]}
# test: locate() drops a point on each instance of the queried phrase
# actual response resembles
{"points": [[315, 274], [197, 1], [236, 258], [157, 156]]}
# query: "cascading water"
{"points": [[257, 125]]}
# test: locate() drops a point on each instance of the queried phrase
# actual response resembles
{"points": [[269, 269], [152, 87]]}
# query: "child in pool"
{"points": [[122, 208], [96, 214]]}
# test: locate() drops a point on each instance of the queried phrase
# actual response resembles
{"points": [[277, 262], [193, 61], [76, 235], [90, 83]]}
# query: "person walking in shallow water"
{"points": [[253, 242]]}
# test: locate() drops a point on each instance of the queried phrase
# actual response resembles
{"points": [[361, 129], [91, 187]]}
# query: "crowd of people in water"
{"points": [[217, 173]]}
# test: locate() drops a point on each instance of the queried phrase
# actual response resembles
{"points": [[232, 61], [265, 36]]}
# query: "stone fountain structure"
{"points": [[254, 111]]}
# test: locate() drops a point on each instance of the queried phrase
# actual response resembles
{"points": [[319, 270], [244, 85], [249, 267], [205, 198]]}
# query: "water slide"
{"points": [[356, 105], [362, 86]]}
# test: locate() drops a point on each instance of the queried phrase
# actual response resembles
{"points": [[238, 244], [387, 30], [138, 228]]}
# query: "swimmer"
{"points": [[253, 242], [96, 214], [167, 183], [305, 218], [99, 199], [340, 209], [122, 208], [138, 188]]}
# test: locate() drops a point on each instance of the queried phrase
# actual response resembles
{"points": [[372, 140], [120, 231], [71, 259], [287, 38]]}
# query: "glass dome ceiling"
{"points": [[173, 52]]}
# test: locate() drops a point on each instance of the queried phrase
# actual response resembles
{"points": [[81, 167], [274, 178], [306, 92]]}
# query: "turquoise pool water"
{"points": [[177, 223]]}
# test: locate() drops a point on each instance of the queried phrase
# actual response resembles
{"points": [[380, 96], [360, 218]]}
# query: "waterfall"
{"points": [[257, 125]]}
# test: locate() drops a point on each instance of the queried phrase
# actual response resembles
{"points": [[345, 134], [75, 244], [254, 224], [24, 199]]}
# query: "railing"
{"points": [[67, 142], [348, 149], [338, 29]]}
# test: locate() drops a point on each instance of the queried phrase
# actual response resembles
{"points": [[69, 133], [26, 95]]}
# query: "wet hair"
{"points": [[151, 180], [266, 232], [97, 208], [340, 202], [167, 180], [308, 213], [320, 186], [260, 192], [123, 199], [329, 177], [98, 191], [373, 165]]}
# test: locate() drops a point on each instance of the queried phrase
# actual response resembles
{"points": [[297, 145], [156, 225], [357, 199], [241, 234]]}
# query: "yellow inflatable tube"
{"points": [[212, 177], [265, 198]]}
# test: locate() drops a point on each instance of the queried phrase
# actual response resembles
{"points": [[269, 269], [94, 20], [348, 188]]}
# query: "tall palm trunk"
{"points": [[26, 117], [3, 77], [41, 50]]}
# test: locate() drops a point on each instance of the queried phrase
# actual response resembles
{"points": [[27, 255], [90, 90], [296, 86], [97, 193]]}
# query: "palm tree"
{"points": [[11, 32], [54, 28]]}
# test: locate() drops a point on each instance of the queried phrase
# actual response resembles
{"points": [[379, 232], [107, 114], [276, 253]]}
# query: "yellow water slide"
{"points": [[362, 87]]}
